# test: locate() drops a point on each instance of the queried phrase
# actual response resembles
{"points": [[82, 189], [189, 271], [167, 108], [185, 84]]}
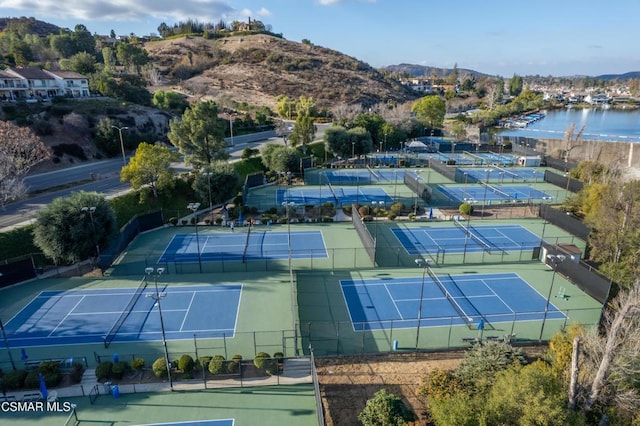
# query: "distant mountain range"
{"points": [[425, 71], [625, 76]]}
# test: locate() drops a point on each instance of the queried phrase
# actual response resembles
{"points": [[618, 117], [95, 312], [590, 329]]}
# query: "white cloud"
{"points": [[123, 10], [264, 12], [331, 2]]}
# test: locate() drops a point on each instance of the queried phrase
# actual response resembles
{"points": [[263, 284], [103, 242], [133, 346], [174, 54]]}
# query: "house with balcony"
{"points": [[31, 84], [10, 85], [74, 85]]}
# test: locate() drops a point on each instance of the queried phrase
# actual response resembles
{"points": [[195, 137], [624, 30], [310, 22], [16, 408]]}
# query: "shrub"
{"points": [[173, 221], [32, 380], [279, 356], [233, 366], [391, 216], [119, 369], [76, 373], [14, 379], [397, 208], [137, 364], [47, 367], [264, 361], [103, 370], [217, 365], [204, 361], [186, 363], [159, 368]]}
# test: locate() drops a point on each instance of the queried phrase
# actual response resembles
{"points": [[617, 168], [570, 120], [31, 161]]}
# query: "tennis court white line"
{"points": [[66, 316], [499, 298], [393, 301], [188, 309]]}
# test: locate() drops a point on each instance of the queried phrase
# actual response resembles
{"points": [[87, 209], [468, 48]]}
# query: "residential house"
{"points": [[75, 85], [32, 84]]}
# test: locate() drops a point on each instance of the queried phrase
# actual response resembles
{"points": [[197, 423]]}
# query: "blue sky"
{"points": [[499, 37]]}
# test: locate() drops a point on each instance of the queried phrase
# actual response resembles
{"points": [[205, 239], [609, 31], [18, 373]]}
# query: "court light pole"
{"points": [[91, 210], [6, 343], [425, 264], [120, 129], [555, 260], [484, 199], [194, 208], [287, 207], [353, 149], [208, 175], [155, 273]]}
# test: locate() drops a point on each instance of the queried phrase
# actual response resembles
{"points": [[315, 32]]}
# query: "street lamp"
{"points": [[91, 210], [155, 273], [486, 186], [120, 129], [353, 149], [231, 119], [194, 208], [555, 260], [425, 265], [464, 194]]}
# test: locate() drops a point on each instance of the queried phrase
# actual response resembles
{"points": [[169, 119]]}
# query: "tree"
{"points": [[385, 409], [199, 135], [150, 168], [342, 142], [430, 111], [20, 150], [304, 129], [66, 233], [219, 177], [169, 101], [83, 63], [131, 56], [515, 85], [284, 107], [458, 130], [280, 158]]}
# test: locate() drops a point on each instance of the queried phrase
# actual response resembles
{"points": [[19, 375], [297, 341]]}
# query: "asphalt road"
{"points": [[100, 176]]}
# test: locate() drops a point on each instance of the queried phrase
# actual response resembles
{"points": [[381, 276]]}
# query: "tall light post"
{"points": [[287, 207], [231, 119], [425, 264], [120, 129], [155, 273], [464, 194], [208, 175], [353, 149], [194, 208], [484, 199], [91, 210], [376, 204], [6, 343], [555, 260]]}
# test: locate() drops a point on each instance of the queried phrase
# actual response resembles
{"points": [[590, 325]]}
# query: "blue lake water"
{"points": [[599, 124]]}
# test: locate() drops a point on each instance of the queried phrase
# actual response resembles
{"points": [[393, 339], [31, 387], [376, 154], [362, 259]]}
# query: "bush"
{"points": [[279, 356], [173, 221], [119, 369], [14, 379], [233, 366], [385, 409], [186, 363], [103, 370], [264, 361], [204, 361], [159, 368], [137, 364], [48, 367], [32, 380], [76, 373], [217, 365]]}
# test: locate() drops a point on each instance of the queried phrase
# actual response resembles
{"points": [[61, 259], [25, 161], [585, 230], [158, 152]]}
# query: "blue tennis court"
{"points": [[364, 176], [499, 175], [235, 246], [379, 304], [336, 195], [456, 239], [87, 316], [225, 422], [490, 193]]}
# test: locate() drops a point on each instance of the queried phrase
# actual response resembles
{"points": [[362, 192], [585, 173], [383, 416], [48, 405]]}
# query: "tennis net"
{"points": [[375, 175], [332, 192], [473, 236], [450, 298], [495, 190], [125, 313], [246, 245]]}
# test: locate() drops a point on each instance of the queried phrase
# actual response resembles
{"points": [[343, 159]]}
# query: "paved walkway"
{"points": [[295, 371]]}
